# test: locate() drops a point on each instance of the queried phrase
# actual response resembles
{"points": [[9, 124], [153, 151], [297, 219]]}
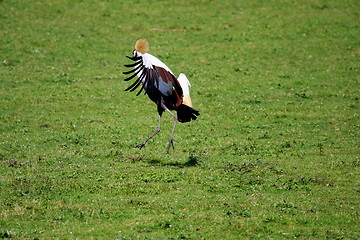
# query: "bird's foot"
{"points": [[171, 143], [140, 145]]}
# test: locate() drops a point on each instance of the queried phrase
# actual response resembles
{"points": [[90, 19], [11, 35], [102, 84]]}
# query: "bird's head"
{"points": [[142, 45]]}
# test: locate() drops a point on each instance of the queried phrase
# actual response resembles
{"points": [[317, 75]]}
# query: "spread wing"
{"points": [[138, 70], [151, 73]]}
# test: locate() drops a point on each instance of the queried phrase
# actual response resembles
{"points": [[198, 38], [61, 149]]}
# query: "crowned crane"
{"points": [[161, 86]]}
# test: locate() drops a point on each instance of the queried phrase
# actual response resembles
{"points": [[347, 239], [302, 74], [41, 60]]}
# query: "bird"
{"points": [[161, 86]]}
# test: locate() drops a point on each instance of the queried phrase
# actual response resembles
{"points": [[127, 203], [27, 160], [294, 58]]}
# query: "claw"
{"points": [[171, 143], [140, 146]]}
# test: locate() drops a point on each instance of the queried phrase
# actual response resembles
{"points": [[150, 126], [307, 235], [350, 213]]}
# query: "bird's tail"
{"points": [[186, 113], [185, 84]]}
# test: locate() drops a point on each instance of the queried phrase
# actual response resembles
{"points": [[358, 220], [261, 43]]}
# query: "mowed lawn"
{"points": [[274, 154]]}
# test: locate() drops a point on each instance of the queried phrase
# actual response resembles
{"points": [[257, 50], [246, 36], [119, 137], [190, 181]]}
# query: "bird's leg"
{"points": [[171, 141], [141, 145]]}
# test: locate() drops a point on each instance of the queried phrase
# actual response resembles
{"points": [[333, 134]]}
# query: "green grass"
{"points": [[273, 155]]}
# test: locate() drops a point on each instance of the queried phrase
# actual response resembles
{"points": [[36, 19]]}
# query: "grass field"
{"points": [[275, 153]]}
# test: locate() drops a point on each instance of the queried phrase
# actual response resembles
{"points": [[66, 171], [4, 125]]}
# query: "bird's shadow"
{"points": [[192, 161]]}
